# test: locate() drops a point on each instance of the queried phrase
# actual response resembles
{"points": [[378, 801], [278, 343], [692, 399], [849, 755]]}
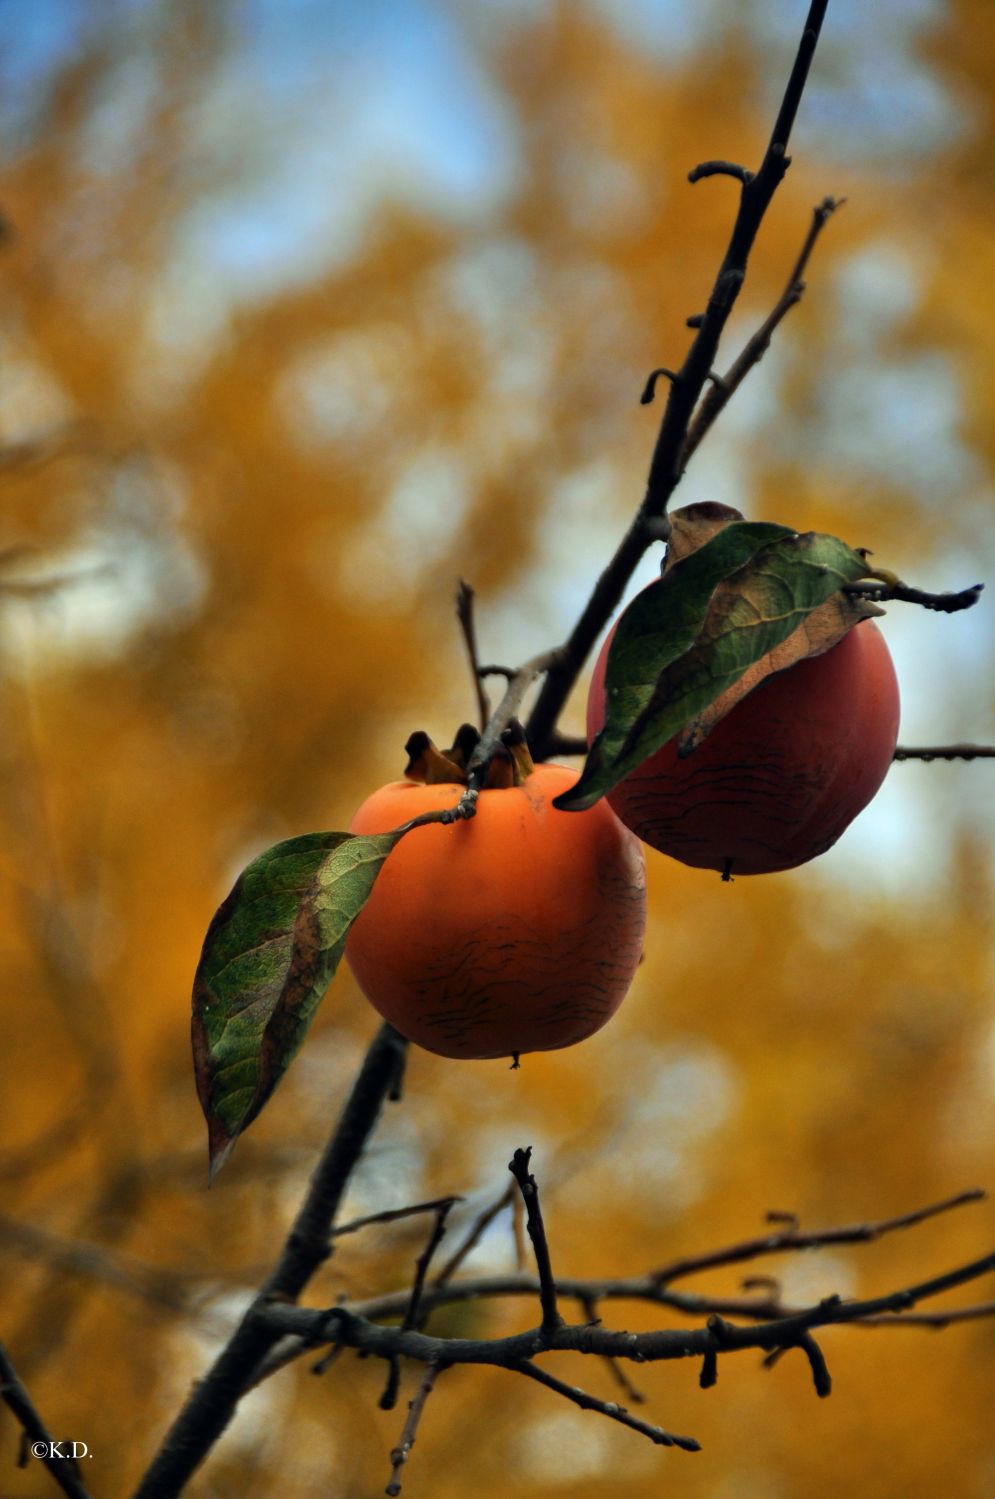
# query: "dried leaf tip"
{"points": [[466, 741], [428, 765], [517, 745]]}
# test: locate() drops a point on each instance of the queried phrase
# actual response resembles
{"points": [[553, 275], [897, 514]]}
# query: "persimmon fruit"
{"points": [[782, 775], [516, 930]]}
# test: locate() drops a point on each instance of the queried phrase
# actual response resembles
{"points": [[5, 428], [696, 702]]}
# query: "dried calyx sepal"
{"points": [[510, 764]]}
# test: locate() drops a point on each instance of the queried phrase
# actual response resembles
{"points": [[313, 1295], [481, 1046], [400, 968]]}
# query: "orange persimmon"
{"points": [[517, 930], [779, 778]]}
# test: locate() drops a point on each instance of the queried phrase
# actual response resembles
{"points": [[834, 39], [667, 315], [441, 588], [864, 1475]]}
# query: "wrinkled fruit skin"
{"points": [[518, 930], [782, 775]]}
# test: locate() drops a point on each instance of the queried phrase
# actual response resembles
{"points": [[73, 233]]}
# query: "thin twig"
{"points": [[606, 1408], [721, 391], [792, 1239], [941, 603], [464, 613], [519, 1168], [649, 389], [424, 1260], [472, 1238], [666, 468], [615, 1369], [646, 1288], [402, 1451], [945, 752], [340, 1324], [393, 1214], [442, 1209], [756, 193], [507, 709], [636, 1288], [42, 1444], [719, 169], [821, 1377], [518, 1231], [980, 1312]]}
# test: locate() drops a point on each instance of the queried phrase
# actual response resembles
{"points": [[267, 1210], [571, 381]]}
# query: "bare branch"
{"points": [[757, 192], [720, 169], [651, 1289], [213, 1400], [391, 1215], [402, 1451], [941, 603], [980, 1312], [475, 1233], [518, 685], [945, 752], [341, 1325], [615, 1369], [820, 1370], [464, 613], [791, 1239], [519, 1168], [649, 389], [764, 1312], [607, 1408], [43, 1446], [723, 388], [686, 385], [424, 1260]]}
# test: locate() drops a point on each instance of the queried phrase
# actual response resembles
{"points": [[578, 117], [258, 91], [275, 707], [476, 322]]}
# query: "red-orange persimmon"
{"points": [[518, 930], [779, 778]]}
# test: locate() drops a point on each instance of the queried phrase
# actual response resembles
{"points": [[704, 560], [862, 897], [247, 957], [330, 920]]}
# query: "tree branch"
{"points": [[464, 613], [721, 391], [402, 1451], [340, 1325], [686, 385], [519, 1168], [519, 683], [942, 603], [214, 1398], [391, 1215], [945, 752], [36, 1433], [792, 1239], [607, 1408], [473, 1236], [653, 1289]]}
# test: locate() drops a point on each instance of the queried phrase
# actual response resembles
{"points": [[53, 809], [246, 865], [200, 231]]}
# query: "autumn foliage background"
{"points": [[305, 316]]}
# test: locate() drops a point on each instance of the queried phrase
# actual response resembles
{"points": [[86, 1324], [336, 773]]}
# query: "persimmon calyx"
{"points": [[510, 764]]}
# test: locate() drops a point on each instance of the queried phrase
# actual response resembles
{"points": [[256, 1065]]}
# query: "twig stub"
{"points": [[519, 1168]]}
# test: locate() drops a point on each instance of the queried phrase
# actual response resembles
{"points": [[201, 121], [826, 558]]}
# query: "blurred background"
{"points": [[308, 310]]}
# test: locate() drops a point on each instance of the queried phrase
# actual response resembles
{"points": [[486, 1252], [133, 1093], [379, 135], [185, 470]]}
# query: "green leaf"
{"points": [[269, 955], [687, 639]]}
